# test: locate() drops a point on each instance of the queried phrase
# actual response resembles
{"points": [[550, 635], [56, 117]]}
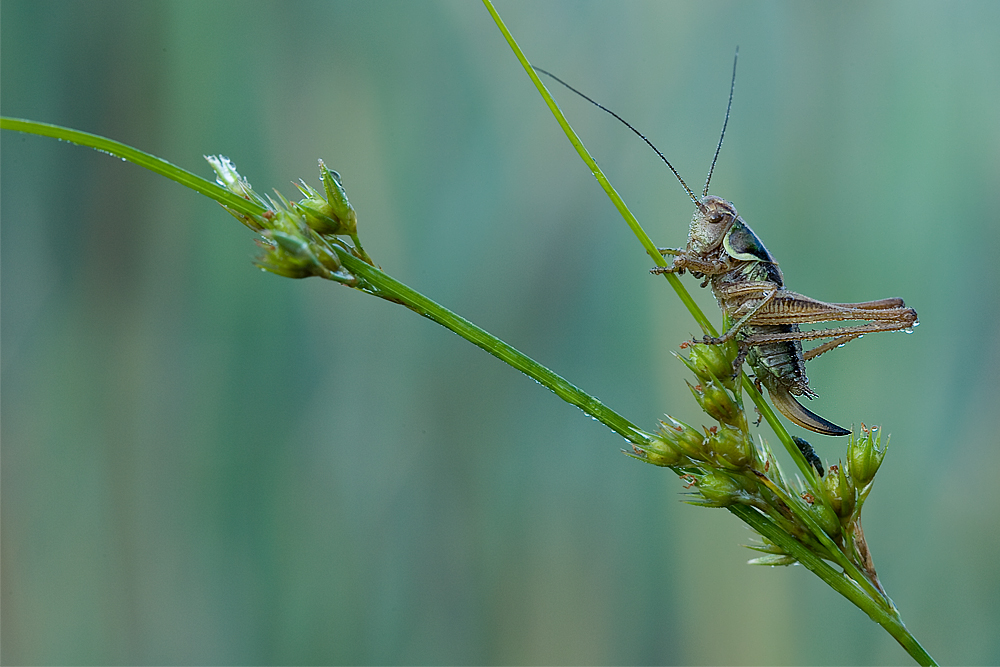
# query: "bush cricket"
{"points": [[765, 317]]}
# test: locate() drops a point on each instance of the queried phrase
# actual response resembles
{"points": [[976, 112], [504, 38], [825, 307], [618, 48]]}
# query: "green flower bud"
{"points": [[719, 490], [823, 515], [717, 402], [330, 215], [865, 455], [283, 269], [227, 176], [318, 214], [327, 257], [731, 445], [660, 452], [293, 245], [710, 362], [289, 256], [340, 208], [683, 438], [840, 492]]}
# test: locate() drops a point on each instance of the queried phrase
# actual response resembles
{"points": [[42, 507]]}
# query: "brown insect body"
{"points": [[750, 289]]}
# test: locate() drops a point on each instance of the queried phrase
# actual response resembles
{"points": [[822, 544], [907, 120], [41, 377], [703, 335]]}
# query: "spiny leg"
{"points": [[793, 308], [848, 333], [827, 346], [670, 251], [878, 304], [741, 356]]}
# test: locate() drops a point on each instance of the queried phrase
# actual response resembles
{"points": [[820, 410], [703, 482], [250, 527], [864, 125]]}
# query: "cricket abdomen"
{"points": [[779, 363]]}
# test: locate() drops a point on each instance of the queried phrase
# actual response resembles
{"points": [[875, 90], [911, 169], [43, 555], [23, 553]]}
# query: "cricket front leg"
{"points": [[685, 262], [673, 268], [670, 251]]}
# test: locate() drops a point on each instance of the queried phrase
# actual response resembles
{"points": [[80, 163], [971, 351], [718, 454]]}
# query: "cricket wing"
{"points": [[798, 414]]}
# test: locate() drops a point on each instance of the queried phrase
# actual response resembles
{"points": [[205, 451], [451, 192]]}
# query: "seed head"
{"points": [[717, 402], [731, 445], [823, 515], [719, 490], [710, 362], [683, 438], [340, 209], [865, 454], [840, 491]]}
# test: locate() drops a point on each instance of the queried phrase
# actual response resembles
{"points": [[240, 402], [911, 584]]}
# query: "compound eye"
{"points": [[716, 218]]}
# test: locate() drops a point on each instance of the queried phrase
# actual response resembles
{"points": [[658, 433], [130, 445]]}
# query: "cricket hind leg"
{"points": [[905, 321], [877, 304], [828, 345], [842, 334]]}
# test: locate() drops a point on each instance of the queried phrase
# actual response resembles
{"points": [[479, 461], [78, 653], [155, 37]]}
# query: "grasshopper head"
{"points": [[711, 222]]}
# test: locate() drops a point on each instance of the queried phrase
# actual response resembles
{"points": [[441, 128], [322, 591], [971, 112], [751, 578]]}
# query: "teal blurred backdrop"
{"points": [[203, 463]]}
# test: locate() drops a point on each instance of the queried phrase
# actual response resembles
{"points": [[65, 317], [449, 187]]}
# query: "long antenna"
{"points": [[732, 87], [697, 202]]}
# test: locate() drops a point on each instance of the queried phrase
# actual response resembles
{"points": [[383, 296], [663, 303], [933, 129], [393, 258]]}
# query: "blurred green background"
{"points": [[203, 463]]}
